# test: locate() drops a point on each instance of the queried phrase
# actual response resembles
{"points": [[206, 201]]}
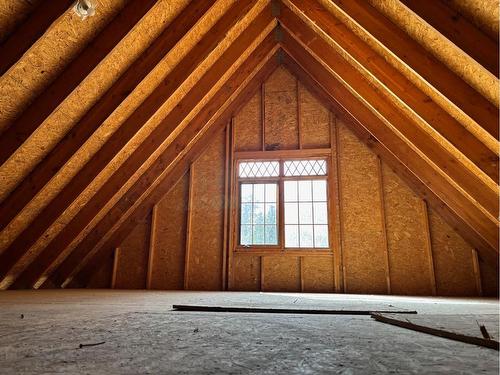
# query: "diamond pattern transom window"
{"points": [[259, 169], [305, 168]]}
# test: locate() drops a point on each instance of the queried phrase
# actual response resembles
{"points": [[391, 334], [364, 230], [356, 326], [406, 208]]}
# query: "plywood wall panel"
{"points": [[280, 111], [453, 261], [102, 275], [132, 261], [246, 273], [206, 222], [489, 278], [406, 237], [280, 274], [169, 233], [247, 126], [317, 274], [314, 121], [364, 252]]}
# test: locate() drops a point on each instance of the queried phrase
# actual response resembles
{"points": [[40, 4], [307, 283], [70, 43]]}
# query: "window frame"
{"points": [[281, 156]]}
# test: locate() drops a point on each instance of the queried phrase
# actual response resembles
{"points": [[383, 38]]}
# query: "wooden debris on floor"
{"points": [[464, 328]]}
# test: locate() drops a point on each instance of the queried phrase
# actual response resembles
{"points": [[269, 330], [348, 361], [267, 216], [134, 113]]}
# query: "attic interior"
{"points": [[249, 186]]}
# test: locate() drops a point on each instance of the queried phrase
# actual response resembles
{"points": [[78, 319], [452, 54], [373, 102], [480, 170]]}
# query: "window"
{"points": [[283, 203]]}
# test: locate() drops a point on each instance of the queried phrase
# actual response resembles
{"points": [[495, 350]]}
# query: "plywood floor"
{"points": [[41, 331]]}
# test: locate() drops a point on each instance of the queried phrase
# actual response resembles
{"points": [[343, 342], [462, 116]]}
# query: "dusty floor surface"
{"points": [[41, 332]]}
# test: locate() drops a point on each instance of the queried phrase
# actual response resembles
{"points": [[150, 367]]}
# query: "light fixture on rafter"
{"points": [[84, 8]]}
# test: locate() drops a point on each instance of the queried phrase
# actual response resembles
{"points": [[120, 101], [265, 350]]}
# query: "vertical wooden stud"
{"points": [[263, 114], [384, 226], [299, 116], [425, 219], [152, 245], [188, 228], [301, 268], [232, 209], [261, 273], [335, 207], [227, 168], [477, 272], [115, 267]]}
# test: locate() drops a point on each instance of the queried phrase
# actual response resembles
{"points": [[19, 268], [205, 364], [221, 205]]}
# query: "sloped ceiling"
{"points": [[99, 117]]}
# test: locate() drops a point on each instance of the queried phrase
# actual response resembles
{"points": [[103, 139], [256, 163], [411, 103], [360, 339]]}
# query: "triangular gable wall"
{"points": [[390, 241], [69, 168]]}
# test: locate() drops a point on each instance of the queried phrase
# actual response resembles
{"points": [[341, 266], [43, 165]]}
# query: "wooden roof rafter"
{"points": [[423, 63], [460, 31], [83, 64], [29, 32], [399, 85], [83, 130], [23, 243], [484, 226]]}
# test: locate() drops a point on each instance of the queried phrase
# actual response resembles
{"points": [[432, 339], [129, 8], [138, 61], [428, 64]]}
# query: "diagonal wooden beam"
{"points": [[149, 146], [163, 174], [458, 30], [448, 163], [483, 226], [417, 185], [433, 71], [19, 131], [440, 120], [14, 47], [91, 121]]}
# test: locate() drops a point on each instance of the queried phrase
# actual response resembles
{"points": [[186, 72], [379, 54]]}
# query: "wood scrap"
{"points": [[488, 343], [241, 309]]}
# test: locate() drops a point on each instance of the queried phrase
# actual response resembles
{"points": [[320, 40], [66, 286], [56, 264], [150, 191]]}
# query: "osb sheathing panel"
{"points": [[102, 275], [206, 218], [489, 278], [169, 236], [483, 13], [453, 262], [42, 63], [317, 274], [314, 121], [442, 48], [280, 274], [86, 95], [28, 214], [247, 126], [133, 254], [280, 111], [13, 13], [453, 110], [246, 273], [362, 221], [407, 239]]}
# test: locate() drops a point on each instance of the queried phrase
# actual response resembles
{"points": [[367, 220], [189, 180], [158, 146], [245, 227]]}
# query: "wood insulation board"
{"points": [[248, 127], [406, 237], [364, 252], [280, 111], [206, 221], [317, 274], [102, 275], [280, 274], [453, 261], [246, 273], [169, 238], [314, 121], [132, 262]]}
